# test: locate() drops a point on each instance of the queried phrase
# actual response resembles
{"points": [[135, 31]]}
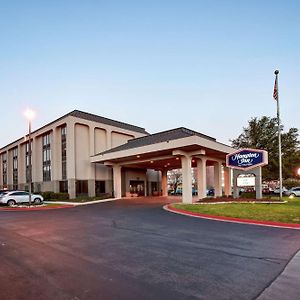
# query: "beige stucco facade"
{"points": [[84, 154], [84, 138]]}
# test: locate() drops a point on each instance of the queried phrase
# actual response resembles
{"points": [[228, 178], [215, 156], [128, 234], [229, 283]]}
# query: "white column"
{"points": [[227, 181], [55, 153], [258, 189], [9, 172], [234, 181], [92, 167], [186, 179], [108, 139], [21, 164], [218, 179], [71, 159], [164, 183], [201, 177], [117, 181]]}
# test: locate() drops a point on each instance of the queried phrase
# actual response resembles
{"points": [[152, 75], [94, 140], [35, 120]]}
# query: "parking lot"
{"points": [[132, 249]]}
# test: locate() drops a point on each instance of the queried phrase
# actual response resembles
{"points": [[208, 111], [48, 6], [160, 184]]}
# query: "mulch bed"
{"points": [[36, 207], [226, 199]]}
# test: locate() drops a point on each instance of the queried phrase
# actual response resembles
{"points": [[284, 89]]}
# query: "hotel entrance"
{"points": [[137, 187]]}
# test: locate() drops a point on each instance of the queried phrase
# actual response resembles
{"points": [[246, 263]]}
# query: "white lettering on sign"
{"points": [[244, 159]]}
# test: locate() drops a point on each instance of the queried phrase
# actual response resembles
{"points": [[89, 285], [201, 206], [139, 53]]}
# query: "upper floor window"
{"points": [[15, 167], [64, 152], [4, 169], [46, 157], [28, 158]]}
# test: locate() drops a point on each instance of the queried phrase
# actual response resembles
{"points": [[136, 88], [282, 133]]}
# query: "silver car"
{"points": [[295, 191], [13, 197]]}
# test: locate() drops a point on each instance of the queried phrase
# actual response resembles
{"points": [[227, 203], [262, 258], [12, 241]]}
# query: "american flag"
{"points": [[275, 93]]}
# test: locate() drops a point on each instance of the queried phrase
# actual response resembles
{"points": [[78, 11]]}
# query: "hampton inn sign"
{"points": [[244, 160]]}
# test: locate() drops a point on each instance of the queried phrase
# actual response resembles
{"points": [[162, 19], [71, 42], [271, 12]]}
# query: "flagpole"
{"points": [[279, 135]]}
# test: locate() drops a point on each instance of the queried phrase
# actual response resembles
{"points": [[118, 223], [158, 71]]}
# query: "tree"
{"points": [[263, 134]]}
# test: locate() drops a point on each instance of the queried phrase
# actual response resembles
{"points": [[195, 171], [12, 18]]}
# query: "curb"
{"points": [[168, 207]]}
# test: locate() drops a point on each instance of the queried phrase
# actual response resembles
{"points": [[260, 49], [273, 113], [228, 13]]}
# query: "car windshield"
{"points": [[3, 193]]}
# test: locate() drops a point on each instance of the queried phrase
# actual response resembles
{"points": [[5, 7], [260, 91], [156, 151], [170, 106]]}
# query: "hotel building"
{"points": [[85, 154]]}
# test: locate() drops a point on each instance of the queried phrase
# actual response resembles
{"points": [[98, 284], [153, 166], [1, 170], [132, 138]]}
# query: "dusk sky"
{"points": [[205, 65]]}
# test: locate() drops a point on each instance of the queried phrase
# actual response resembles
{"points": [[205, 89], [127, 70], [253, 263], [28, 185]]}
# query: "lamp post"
{"points": [[29, 115]]}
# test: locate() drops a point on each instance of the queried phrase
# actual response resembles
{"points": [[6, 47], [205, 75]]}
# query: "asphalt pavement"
{"points": [[133, 249]]}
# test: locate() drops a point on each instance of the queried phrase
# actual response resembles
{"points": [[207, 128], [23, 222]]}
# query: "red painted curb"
{"points": [[35, 208], [235, 220]]}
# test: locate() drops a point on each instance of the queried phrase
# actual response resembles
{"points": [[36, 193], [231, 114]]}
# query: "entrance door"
{"points": [[137, 187]]}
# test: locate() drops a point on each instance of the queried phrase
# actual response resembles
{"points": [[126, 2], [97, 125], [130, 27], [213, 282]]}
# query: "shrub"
{"points": [[248, 195], [291, 182], [55, 196]]}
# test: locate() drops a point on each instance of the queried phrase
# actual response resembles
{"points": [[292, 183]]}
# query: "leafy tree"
{"points": [[263, 134]]}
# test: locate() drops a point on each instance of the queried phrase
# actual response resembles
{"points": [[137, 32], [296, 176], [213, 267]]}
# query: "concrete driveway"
{"points": [[132, 249]]}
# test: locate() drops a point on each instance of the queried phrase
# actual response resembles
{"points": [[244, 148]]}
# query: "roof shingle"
{"points": [[159, 137]]}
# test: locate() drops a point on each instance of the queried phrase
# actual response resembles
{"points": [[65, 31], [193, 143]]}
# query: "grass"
{"points": [[286, 213]]}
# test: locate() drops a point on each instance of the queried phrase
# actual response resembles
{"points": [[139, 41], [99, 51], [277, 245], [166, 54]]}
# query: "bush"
{"points": [[55, 196], [248, 195], [291, 182]]}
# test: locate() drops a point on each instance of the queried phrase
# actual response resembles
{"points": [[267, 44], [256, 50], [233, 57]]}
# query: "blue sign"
{"points": [[246, 159]]}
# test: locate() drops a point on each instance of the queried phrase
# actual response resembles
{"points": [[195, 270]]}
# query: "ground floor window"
{"points": [[154, 188], [82, 188], [63, 186], [100, 187]]}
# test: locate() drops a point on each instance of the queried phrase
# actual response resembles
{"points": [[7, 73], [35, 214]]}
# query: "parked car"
{"points": [[179, 191], [3, 191], [210, 192], [284, 190], [295, 192], [13, 197]]}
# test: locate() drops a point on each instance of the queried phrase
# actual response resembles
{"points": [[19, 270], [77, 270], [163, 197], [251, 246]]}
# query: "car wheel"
{"points": [[293, 195], [11, 202], [37, 201]]}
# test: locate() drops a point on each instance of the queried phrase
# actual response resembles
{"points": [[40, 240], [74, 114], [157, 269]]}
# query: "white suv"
{"points": [[295, 191], [13, 197]]}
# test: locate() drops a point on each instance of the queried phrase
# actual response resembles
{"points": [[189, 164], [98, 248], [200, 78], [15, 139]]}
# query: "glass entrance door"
{"points": [[137, 187]]}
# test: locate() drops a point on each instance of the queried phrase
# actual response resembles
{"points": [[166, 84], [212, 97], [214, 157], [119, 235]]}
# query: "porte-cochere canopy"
{"points": [[172, 149]]}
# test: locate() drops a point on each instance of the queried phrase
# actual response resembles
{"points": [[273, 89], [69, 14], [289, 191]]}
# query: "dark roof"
{"points": [[89, 117], [164, 136], [99, 119]]}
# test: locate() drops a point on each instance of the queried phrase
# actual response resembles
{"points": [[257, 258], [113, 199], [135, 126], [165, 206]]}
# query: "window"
{"points": [[15, 168], [28, 165], [4, 169], [63, 186], [81, 187], [100, 187], [46, 157], [64, 152]]}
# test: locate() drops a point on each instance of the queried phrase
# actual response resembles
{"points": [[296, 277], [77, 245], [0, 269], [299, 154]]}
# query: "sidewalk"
{"points": [[82, 203], [287, 285]]}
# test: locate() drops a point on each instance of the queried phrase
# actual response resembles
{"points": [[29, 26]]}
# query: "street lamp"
{"points": [[29, 115]]}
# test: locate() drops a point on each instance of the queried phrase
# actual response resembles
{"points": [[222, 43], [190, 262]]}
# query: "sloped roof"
{"points": [[103, 120], [90, 117], [173, 134]]}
